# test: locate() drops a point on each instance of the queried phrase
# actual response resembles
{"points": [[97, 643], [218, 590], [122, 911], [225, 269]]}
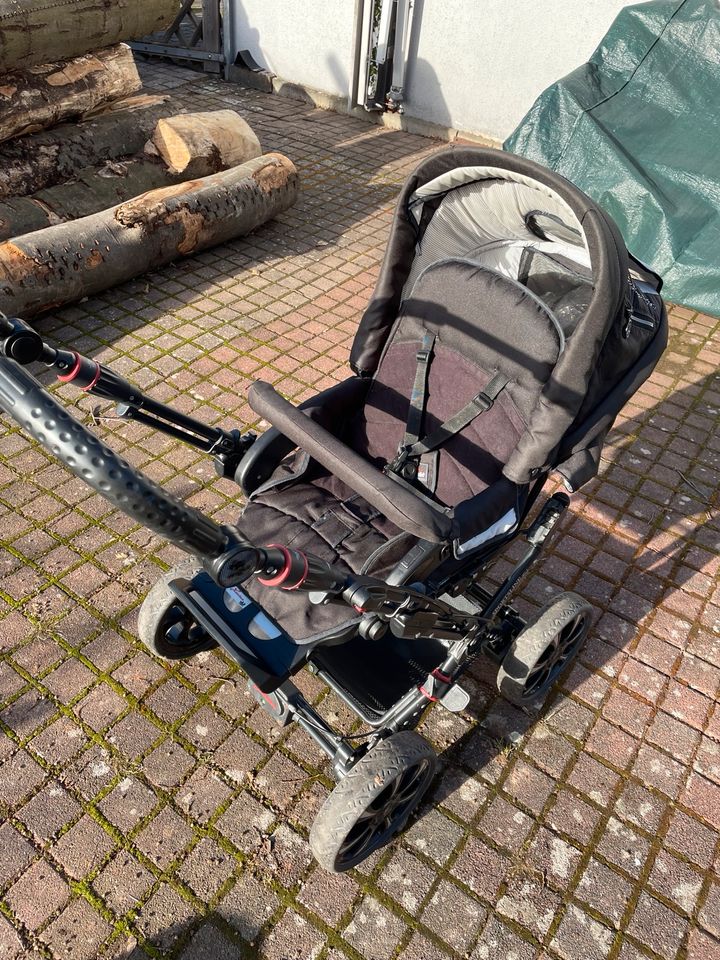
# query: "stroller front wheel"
{"points": [[165, 626], [373, 801], [543, 649]]}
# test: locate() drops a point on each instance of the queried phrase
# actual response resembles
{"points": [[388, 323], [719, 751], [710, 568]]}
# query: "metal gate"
{"points": [[194, 35]]}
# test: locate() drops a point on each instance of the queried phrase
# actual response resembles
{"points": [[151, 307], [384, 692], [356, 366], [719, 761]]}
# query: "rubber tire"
{"points": [[154, 607], [353, 795], [530, 643]]}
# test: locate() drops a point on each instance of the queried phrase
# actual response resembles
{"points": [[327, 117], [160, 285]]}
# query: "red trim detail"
{"points": [[359, 609], [67, 377], [439, 675], [95, 379], [428, 696], [303, 576], [267, 697], [281, 574]]}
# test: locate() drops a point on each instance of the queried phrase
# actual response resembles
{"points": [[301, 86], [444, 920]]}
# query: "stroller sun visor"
{"points": [[507, 222]]}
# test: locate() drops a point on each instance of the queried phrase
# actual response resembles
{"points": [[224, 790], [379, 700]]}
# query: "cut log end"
{"points": [[218, 139]]}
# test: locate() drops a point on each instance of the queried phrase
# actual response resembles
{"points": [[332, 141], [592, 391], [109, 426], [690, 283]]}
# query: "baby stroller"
{"points": [[508, 327]]}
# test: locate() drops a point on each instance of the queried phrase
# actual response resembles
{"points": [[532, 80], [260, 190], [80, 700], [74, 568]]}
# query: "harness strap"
{"points": [[418, 397], [479, 404]]}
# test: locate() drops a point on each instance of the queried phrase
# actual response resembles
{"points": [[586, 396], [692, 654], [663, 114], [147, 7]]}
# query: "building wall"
{"points": [[474, 65], [309, 42], [478, 65]]}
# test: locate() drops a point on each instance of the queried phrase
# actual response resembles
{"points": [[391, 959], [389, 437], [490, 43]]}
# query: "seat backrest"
{"points": [[484, 323]]}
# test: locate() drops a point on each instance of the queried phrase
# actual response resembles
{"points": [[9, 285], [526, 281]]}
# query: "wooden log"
{"points": [[116, 181], [43, 96], [41, 160], [64, 263], [220, 137], [94, 189], [41, 31]]}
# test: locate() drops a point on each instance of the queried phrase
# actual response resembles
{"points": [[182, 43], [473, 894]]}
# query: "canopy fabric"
{"points": [[638, 129]]}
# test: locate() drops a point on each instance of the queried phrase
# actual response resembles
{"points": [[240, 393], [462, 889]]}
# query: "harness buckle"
{"points": [[423, 356], [398, 462]]}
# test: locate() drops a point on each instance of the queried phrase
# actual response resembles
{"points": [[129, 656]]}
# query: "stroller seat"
{"points": [[474, 362]]}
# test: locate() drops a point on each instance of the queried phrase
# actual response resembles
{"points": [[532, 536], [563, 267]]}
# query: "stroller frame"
{"points": [[516, 284], [411, 608]]}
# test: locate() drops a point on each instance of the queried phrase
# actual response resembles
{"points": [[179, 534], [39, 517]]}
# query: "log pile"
{"points": [[99, 182]]}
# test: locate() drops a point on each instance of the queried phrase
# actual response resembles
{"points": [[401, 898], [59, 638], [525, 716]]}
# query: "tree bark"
{"points": [[41, 160], [64, 263], [97, 188], [44, 96], [40, 31], [220, 136]]}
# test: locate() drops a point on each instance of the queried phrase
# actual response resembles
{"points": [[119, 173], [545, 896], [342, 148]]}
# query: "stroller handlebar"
{"points": [[37, 412]]}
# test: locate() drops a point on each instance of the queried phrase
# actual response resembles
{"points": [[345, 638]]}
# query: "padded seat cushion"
{"points": [[324, 517], [483, 323]]}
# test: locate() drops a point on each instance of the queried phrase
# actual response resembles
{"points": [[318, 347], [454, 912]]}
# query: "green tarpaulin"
{"points": [[638, 128]]}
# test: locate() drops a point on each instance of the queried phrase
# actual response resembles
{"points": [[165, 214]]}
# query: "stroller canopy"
{"points": [[524, 222]]}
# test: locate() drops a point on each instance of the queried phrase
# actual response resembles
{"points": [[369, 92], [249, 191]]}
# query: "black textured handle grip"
{"points": [[101, 468]]}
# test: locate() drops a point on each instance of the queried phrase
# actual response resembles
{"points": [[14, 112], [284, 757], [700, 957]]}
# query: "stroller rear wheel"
{"points": [[373, 802], [164, 625], [543, 649]]}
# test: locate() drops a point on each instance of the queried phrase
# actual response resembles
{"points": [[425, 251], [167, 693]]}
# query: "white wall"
{"points": [[474, 65], [309, 42], [478, 65]]}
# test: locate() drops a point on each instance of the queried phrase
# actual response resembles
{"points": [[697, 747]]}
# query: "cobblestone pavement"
{"points": [[155, 812]]}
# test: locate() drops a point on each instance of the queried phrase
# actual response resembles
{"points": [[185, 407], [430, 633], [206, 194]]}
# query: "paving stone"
{"points": [[556, 859], [604, 890], [481, 868], [406, 880], [641, 807], [11, 946], [676, 880], [247, 907], [434, 835], [701, 946], [51, 808], [293, 939], [498, 940], [573, 816], [164, 838], [100, 707], [238, 756], [168, 764], [77, 933], [530, 904], [691, 838], [133, 735], [29, 907], [593, 779], [246, 823], [209, 943], [202, 793], [83, 848], [206, 869], [164, 917], [579, 935], [330, 896], [624, 847], [505, 824], [19, 776], [15, 853], [529, 785], [657, 927], [373, 931], [59, 742], [709, 914], [421, 949], [128, 803], [453, 916], [123, 882]]}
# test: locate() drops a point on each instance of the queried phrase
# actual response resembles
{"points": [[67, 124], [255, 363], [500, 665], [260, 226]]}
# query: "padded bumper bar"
{"points": [[396, 502]]}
